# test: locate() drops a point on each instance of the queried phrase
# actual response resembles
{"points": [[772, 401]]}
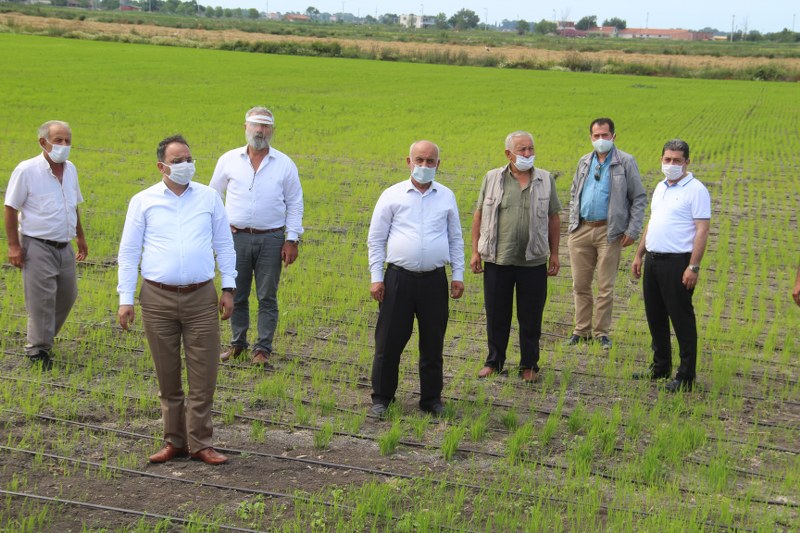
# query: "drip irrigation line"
{"points": [[372, 471], [97, 506]]}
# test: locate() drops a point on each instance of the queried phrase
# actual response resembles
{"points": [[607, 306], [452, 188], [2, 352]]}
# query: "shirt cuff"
{"points": [[292, 236], [228, 281], [377, 277], [126, 298], [458, 275]]}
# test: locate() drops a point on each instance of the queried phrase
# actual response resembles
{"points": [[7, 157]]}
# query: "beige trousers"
{"points": [[590, 251], [168, 318]]}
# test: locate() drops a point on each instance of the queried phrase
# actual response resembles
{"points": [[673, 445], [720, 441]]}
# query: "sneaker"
{"points": [[41, 360], [605, 342], [577, 339]]}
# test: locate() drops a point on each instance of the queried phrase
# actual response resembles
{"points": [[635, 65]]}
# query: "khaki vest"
{"points": [[540, 205]]}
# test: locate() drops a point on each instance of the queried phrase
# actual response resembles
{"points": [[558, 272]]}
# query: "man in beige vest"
{"points": [[516, 224]]}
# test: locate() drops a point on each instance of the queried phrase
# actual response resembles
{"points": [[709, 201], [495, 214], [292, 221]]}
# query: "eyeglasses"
{"points": [[597, 173]]}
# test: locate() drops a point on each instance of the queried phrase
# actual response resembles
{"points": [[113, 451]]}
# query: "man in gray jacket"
{"points": [[607, 202]]}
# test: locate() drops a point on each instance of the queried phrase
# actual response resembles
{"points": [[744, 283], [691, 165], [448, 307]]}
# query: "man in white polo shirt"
{"points": [[41, 217], [674, 243], [264, 201]]}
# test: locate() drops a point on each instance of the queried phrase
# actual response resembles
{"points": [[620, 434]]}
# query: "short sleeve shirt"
{"points": [[513, 221], [47, 207], [673, 210]]}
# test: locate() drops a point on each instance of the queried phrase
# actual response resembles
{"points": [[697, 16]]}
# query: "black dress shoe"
{"points": [[41, 360], [436, 409], [378, 410], [679, 385], [605, 342], [651, 374]]}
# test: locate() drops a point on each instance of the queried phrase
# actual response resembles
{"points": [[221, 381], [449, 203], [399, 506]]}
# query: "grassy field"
{"points": [[586, 448]]}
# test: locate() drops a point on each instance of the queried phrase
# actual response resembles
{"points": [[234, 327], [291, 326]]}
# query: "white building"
{"points": [[416, 21]]}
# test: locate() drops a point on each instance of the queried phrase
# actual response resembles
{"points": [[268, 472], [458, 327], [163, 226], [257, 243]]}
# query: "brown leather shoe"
{"points": [[232, 352], [529, 375], [260, 358], [486, 372], [210, 456], [169, 452]]}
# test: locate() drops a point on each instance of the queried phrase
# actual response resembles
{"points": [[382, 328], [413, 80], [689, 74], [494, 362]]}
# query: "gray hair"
{"points": [[677, 145], [519, 133], [411, 148], [44, 129], [259, 110]]}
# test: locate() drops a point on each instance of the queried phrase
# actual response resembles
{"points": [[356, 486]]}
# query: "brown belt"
{"points": [[180, 289], [254, 231], [594, 223]]}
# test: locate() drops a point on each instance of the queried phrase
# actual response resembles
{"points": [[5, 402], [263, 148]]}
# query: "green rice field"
{"points": [[585, 449]]}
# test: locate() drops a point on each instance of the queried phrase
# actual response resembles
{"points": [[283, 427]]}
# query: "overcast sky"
{"points": [[761, 15]]}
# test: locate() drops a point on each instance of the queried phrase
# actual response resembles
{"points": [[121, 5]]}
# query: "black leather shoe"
{"points": [[605, 342], [651, 375], [378, 410], [679, 385], [41, 360], [436, 409], [577, 339]]}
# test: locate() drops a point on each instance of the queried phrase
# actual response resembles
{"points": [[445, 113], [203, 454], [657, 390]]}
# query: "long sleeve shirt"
{"points": [[265, 198], [176, 238], [415, 230]]}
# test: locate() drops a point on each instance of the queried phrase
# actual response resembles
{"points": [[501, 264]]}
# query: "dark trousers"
{"points": [[499, 282], [406, 295], [665, 299]]}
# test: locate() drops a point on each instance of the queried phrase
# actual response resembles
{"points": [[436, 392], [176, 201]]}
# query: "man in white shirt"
{"points": [[176, 228], [264, 201], [674, 244], [41, 218], [415, 230]]}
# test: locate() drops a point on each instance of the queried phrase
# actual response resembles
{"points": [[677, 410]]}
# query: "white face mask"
{"points": [[181, 173], [59, 153], [602, 146], [423, 175], [672, 172], [524, 163]]}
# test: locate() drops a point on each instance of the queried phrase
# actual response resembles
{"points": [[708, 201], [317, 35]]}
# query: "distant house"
{"points": [[129, 8], [603, 31], [296, 18], [416, 21], [654, 33]]}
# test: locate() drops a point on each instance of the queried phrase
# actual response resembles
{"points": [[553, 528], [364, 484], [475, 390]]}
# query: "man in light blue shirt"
{"points": [[606, 214], [416, 231]]}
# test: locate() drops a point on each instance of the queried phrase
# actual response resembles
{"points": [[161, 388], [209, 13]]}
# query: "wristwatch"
{"points": [[694, 268], [295, 242], [229, 289]]}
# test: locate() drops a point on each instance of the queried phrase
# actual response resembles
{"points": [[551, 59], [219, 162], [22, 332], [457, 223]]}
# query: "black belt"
{"points": [[392, 266], [255, 231], [180, 289], [54, 244], [659, 255]]}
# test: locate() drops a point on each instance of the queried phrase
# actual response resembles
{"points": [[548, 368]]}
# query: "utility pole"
{"points": [[733, 21], [486, 19]]}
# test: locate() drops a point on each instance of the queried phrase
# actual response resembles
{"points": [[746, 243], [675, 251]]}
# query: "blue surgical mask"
{"points": [[524, 163], [181, 173], [423, 175], [602, 146]]}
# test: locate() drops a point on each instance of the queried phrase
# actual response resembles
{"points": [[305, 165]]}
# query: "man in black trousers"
{"points": [[674, 243], [415, 230]]}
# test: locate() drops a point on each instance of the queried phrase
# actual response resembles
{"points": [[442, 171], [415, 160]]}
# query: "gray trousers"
{"points": [[48, 279], [258, 257]]}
